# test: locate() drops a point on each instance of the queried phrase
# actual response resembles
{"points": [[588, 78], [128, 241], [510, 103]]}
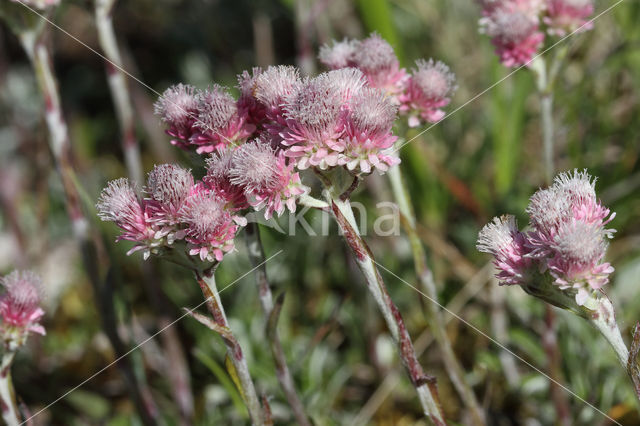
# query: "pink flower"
{"points": [[428, 89], [218, 180], [578, 248], [178, 108], [218, 123], [272, 88], [168, 186], [565, 16], [270, 184], [513, 27], [211, 228], [249, 107], [377, 60], [368, 141], [507, 244], [315, 120], [339, 54], [568, 235], [120, 204], [20, 308]]}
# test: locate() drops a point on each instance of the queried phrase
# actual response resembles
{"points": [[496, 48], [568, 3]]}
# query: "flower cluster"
{"points": [[208, 120], [207, 214], [420, 94], [567, 239], [20, 309], [515, 26], [258, 143]]}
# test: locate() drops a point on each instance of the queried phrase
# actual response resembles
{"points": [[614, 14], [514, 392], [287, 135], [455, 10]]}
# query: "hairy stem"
{"points": [[7, 393], [454, 369], [257, 258], [118, 86], [602, 317], [235, 354], [424, 384]]}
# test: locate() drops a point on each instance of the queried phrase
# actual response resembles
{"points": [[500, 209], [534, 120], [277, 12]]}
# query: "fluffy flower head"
{"points": [[20, 307], [565, 16], [178, 108], [428, 90], [210, 227]]}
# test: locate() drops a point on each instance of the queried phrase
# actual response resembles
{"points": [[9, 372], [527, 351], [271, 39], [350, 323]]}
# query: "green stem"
{"points": [[235, 354], [257, 258], [7, 392], [425, 276], [424, 384]]}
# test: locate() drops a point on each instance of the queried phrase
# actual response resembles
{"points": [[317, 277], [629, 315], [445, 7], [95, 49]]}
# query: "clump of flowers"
{"points": [[20, 309], [565, 245], [420, 94], [517, 27]]}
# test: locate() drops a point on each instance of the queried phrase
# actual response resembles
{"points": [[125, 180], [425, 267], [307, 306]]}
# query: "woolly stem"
{"points": [[424, 384], [118, 86], [544, 84], [454, 369], [601, 315], [7, 392], [257, 258], [235, 354]]}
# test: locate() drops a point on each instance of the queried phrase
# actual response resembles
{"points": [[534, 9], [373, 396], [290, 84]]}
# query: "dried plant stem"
{"points": [[118, 86], [7, 393], [34, 45], [425, 385], [257, 258], [453, 367], [235, 354]]}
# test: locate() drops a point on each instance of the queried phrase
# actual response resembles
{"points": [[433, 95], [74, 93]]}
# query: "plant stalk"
{"points": [[257, 258], [7, 392], [118, 86], [235, 354], [454, 369], [424, 384]]}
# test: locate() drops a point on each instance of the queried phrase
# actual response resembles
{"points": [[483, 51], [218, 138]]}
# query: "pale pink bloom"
{"points": [[218, 180], [269, 183], [514, 31], [315, 122], [20, 309], [507, 244], [272, 88], [578, 248], [249, 107], [178, 109], [339, 54], [428, 90], [565, 16], [168, 186], [120, 204], [368, 140], [211, 228], [219, 124], [377, 60], [572, 197]]}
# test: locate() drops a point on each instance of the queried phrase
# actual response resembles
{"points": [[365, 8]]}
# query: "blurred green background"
{"points": [[484, 160]]}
